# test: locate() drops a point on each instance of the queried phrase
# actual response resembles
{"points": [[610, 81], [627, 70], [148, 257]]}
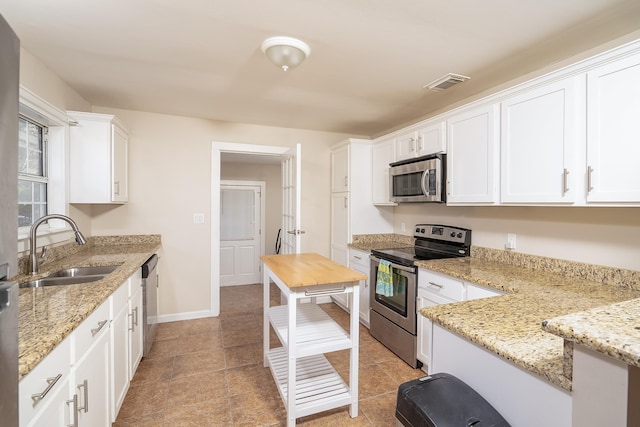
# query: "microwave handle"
{"points": [[424, 182]]}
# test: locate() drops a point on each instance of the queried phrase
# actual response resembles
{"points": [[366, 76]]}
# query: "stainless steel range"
{"points": [[393, 305]]}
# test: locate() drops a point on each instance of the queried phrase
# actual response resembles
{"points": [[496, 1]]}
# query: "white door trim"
{"points": [[262, 186], [218, 147]]}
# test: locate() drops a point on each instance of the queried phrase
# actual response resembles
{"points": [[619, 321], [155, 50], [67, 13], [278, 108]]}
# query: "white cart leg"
{"points": [[355, 340], [265, 314], [292, 355]]}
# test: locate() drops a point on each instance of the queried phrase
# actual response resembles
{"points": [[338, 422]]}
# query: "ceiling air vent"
{"points": [[446, 81]]}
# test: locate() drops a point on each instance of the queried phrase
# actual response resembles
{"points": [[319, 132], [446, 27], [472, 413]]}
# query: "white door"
{"points": [[240, 249], [291, 229]]}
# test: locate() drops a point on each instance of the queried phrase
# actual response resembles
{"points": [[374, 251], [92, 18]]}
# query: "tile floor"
{"points": [[208, 372]]}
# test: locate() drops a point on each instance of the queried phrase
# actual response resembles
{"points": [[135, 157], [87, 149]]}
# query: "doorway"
{"points": [[242, 222], [275, 152]]}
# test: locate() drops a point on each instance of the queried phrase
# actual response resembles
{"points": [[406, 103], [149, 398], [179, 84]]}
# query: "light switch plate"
{"points": [[198, 218], [511, 241]]}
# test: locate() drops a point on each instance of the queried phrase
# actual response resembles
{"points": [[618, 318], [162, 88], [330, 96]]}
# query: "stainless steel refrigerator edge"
{"points": [[9, 83]]}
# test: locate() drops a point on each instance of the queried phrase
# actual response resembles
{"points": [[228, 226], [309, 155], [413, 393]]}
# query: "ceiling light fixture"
{"points": [[446, 81], [285, 52]]}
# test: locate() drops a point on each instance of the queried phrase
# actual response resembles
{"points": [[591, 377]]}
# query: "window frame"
{"points": [[44, 178], [57, 121]]}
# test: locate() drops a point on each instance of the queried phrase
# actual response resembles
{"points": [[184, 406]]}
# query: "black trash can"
{"points": [[443, 400]]}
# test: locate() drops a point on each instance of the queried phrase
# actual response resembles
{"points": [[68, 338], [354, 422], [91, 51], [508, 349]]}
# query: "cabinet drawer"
{"points": [[119, 299], [44, 381], [90, 330], [441, 285], [478, 292], [359, 257]]}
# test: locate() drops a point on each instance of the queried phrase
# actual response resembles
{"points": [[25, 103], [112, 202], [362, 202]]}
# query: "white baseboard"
{"points": [[184, 316]]}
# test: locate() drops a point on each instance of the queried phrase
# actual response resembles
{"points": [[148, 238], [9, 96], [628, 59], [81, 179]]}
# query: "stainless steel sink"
{"points": [[68, 280], [85, 271]]}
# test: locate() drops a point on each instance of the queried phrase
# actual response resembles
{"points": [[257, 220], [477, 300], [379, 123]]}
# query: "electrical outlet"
{"points": [[511, 241], [403, 227], [198, 218]]}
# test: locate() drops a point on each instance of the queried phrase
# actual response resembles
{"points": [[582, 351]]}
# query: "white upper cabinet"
{"points": [[383, 154], [340, 169], [98, 152], [472, 156], [425, 138], [542, 129], [613, 132]]}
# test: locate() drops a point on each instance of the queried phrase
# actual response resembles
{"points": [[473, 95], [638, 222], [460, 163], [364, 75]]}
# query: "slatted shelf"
{"points": [[318, 386], [316, 331]]}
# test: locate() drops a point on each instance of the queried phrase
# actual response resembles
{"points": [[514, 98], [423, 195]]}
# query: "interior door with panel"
{"points": [[240, 243], [291, 188]]}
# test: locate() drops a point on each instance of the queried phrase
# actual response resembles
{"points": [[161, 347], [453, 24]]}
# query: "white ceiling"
{"points": [[369, 58]]}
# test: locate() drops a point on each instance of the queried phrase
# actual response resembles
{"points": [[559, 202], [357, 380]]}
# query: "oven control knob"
{"points": [[453, 234], [417, 229], [459, 235], [422, 230]]}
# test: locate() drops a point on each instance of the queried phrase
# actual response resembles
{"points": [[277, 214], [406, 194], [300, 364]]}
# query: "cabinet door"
{"points": [[340, 169], [424, 333], [472, 141], [406, 146], [383, 154], [340, 220], [119, 165], [59, 410], [119, 359], [541, 130], [613, 126], [359, 261], [135, 330], [91, 384], [431, 138]]}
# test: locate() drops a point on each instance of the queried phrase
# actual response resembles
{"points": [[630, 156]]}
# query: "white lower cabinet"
{"points": [[435, 289], [359, 261], [90, 369], [84, 380]]}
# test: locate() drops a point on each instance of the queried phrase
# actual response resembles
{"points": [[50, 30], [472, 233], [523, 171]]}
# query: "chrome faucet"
{"points": [[34, 260]]}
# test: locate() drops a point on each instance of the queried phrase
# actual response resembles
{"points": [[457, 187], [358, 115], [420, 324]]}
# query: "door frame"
{"points": [[218, 147], [262, 205]]}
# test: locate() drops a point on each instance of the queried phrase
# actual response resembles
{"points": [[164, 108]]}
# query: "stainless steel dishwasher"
{"points": [[149, 302]]}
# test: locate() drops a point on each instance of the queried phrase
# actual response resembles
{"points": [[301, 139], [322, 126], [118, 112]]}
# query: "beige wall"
{"points": [[271, 175], [603, 236], [170, 179]]}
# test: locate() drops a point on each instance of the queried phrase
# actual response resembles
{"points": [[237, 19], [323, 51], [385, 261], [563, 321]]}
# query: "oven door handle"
{"points": [[398, 266]]}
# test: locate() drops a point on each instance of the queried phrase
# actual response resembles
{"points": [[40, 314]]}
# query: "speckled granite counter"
{"points": [[368, 242], [510, 325], [50, 314]]}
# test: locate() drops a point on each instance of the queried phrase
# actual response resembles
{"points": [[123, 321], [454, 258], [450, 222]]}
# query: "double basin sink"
{"points": [[72, 276]]}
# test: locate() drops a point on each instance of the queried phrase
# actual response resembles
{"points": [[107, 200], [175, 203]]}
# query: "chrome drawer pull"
{"points": [[324, 292], [50, 383], [100, 326], [436, 285], [85, 386], [73, 413]]}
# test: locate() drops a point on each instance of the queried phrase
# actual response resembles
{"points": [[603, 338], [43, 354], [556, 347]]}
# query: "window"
{"points": [[32, 171]]}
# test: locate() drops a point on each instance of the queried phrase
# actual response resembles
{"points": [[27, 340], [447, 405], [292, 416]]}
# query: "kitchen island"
{"points": [[306, 332]]}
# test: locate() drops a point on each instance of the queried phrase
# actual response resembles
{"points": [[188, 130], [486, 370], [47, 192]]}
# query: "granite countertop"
{"points": [[369, 242], [510, 325], [49, 314]]}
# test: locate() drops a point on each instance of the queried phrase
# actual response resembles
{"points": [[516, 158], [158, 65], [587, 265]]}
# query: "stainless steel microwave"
{"points": [[418, 180]]}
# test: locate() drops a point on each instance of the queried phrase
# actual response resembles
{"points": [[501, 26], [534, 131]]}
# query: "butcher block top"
{"points": [[310, 269]]}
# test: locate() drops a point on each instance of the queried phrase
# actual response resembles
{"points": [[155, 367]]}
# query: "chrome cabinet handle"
{"points": [[100, 326], [420, 143], [346, 181], [589, 176], [136, 317], [116, 190], [73, 413], [357, 257], [50, 383], [85, 387], [437, 285], [565, 181], [346, 203], [133, 326]]}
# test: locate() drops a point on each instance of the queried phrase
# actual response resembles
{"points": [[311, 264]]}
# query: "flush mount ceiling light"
{"points": [[446, 81], [285, 52]]}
